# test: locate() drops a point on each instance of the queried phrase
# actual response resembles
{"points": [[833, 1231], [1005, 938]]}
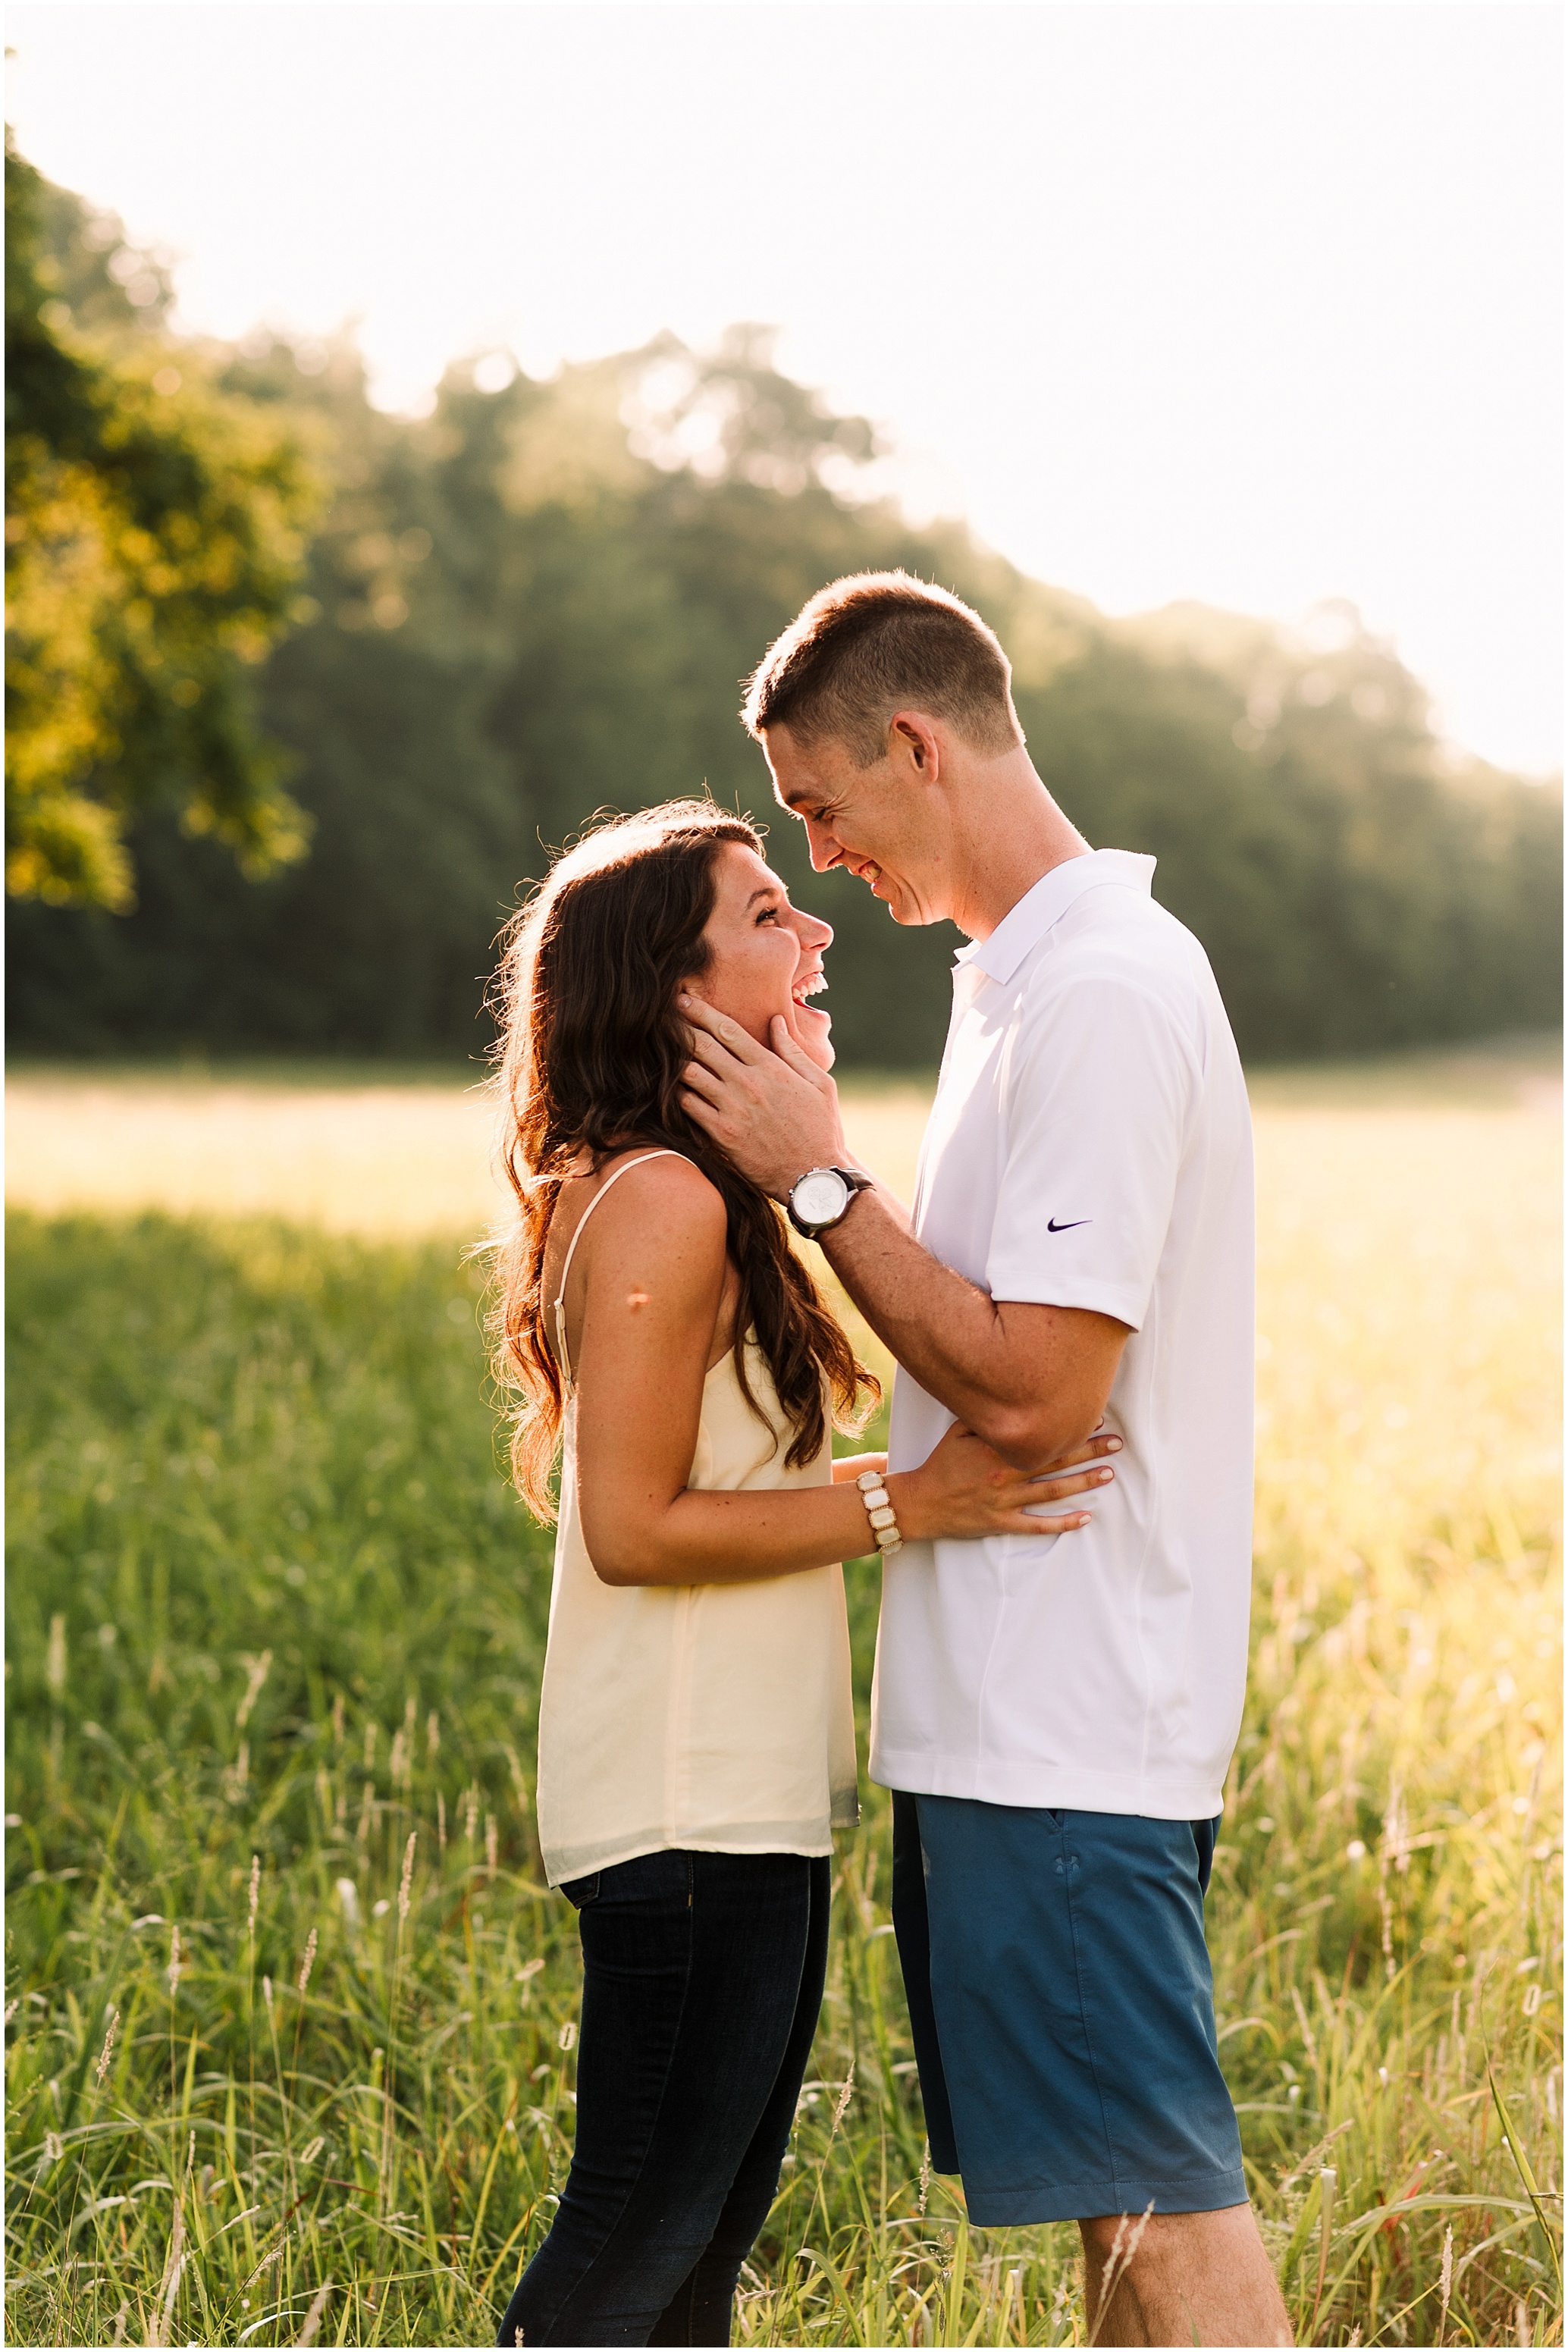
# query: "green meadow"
{"points": [[291, 2014]]}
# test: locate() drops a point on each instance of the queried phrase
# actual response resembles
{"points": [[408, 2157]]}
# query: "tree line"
{"points": [[427, 650]]}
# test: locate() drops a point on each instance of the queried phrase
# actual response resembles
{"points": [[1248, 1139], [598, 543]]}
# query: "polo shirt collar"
{"points": [[1025, 925]]}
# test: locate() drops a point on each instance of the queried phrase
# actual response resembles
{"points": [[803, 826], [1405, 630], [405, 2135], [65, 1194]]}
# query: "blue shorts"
{"points": [[1063, 2009]]}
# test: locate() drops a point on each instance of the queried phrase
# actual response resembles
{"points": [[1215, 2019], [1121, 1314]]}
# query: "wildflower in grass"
{"points": [[309, 1962], [255, 1896], [108, 2050], [440, 1822], [1446, 2281], [405, 1883], [173, 1972], [568, 2035], [925, 2176], [432, 1737], [266, 1995], [347, 1894], [492, 1844]]}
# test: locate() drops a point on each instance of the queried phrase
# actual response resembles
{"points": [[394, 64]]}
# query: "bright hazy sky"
{"points": [[1256, 303]]}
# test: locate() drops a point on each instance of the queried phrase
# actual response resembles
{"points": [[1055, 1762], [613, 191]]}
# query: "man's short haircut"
{"points": [[876, 643]]}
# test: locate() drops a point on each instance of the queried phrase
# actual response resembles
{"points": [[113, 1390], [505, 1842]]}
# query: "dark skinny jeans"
{"points": [[702, 1977]]}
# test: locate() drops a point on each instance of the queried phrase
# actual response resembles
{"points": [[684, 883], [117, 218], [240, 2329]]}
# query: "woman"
{"points": [[696, 1743]]}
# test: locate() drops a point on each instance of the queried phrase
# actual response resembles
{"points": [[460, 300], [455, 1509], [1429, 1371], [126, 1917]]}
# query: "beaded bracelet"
{"points": [[879, 1511]]}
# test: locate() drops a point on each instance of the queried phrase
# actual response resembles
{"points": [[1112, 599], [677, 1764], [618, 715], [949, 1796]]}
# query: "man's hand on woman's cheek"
{"points": [[772, 1110]]}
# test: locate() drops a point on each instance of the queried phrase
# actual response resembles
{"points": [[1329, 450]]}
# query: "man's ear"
{"points": [[913, 739]]}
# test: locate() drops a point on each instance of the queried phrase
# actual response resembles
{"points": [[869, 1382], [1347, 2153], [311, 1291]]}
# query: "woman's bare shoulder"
{"points": [[665, 1198]]}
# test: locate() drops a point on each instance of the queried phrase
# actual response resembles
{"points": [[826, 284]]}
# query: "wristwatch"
{"points": [[820, 1197]]}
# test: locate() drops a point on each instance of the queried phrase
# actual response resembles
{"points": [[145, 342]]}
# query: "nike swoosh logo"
{"points": [[1052, 1226]]}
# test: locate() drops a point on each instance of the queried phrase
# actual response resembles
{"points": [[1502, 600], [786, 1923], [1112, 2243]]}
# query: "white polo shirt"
{"points": [[1089, 1145]]}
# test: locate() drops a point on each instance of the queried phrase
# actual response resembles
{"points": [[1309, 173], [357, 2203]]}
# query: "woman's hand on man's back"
{"points": [[965, 1489]]}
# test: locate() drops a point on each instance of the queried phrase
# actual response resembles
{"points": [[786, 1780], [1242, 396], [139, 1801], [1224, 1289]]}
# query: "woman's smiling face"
{"points": [[765, 956]]}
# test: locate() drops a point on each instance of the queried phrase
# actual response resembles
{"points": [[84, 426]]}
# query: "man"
{"points": [[1055, 1717]]}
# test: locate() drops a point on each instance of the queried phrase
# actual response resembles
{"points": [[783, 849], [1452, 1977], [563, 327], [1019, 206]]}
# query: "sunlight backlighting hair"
{"points": [[590, 1061], [875, 643]]}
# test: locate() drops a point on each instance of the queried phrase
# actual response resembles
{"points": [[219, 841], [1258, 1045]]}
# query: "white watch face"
{"points": [[820, 1197]]}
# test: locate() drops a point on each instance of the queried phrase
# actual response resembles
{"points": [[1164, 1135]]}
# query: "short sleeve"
{"points": [[1099, 1094]]}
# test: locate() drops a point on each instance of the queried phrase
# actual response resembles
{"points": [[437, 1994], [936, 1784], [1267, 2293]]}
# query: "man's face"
{"points": [[882, 822]]}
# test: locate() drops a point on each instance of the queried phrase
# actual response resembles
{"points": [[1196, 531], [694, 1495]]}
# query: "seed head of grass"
{"points": [[107, 2052], [257, 1670], [847, 2093], [312, 2321]]}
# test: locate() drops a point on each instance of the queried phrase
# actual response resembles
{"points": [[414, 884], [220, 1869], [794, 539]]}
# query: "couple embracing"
{"points": [[1063, 1643]]}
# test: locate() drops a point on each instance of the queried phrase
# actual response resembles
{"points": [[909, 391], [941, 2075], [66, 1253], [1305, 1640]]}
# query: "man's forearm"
{"points": [[1017, 1376], [1032, 1380]]}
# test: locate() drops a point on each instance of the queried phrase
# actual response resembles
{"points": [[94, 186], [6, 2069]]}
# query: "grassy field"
{"points": [[292, 2015]]}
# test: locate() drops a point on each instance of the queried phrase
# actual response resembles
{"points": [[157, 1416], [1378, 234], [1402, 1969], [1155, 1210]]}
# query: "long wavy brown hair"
{"points": [[589, 1059]]}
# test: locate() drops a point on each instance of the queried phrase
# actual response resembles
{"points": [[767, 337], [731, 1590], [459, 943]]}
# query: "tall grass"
{"points": [[292, 2013]]}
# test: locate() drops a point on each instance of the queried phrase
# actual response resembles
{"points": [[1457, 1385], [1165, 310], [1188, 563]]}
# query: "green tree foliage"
{"points": [[540, 601], [154, 540]]}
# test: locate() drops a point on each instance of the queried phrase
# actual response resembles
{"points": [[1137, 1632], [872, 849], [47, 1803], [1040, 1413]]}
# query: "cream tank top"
{"points": [[709, 1716]]}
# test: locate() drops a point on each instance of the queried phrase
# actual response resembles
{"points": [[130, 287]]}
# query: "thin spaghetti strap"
{"points": [[562, 1351]]}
